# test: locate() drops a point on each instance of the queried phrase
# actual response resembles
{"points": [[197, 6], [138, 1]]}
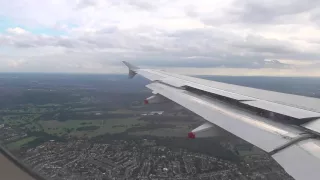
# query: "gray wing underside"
{"points": [[284, 125]]}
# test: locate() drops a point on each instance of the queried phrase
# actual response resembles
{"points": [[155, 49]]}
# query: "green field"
{"points": [[18, 144], [163, 132], [105, 126], [181, 130], [124, 111], [15, 120], [30, 109]]}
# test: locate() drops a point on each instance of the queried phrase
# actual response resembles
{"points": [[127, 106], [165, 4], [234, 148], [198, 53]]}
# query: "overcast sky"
{"points": [[224, 37]]}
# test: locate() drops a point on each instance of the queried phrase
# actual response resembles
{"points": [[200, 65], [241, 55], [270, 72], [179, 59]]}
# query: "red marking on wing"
{"points": [[191, 135], [146, 101]]}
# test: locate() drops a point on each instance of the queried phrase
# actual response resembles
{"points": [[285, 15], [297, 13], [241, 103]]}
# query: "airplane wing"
{"points": [[284, 125], [12, 168]]}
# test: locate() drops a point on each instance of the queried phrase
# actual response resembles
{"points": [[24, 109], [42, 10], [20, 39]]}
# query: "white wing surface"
{"points": [[284, 125]]}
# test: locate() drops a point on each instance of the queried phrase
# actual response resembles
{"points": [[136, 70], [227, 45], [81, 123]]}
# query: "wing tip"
{"points": [[130, 66], [132, 69]]}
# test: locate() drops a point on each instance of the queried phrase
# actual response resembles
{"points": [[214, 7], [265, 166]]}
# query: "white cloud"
{"points": [[16, 63], [270, 37], [16, 30]]}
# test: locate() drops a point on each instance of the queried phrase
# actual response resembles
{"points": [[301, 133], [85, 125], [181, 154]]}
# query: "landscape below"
{"points": [[96, 127]]}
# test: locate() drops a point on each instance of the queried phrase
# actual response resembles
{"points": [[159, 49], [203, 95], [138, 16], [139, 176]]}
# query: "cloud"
{"points": [[273, 11], [187, 48], [86, 3], [142, 4], [16, 63], [205, 62], [268, 12], [16, 30], [191, 11], [98, 34]]}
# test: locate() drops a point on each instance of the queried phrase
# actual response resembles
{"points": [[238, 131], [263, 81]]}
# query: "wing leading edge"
{"points": [[285, 126]]}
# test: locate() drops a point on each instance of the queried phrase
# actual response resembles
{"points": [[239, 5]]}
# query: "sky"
{"points": [[202, 37]]}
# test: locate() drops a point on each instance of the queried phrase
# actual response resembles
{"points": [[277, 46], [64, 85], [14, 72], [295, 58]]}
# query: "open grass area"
{"points": [[14, 120], [18, 144], [163, 132], [105, 126], [124, 111], [49, 105], [180, 130], [29, 109], [82, 109], [113, 126]]}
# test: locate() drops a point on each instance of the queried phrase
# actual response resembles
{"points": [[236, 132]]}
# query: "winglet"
{"points": [[132, 69], [130, 66]]}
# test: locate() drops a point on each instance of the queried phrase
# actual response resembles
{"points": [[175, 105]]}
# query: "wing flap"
{"points": [[301, 160], [283, 109], [256, 130], [290, 111], [313, 125], [302, 102], [239, 92], [220, 92]]}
